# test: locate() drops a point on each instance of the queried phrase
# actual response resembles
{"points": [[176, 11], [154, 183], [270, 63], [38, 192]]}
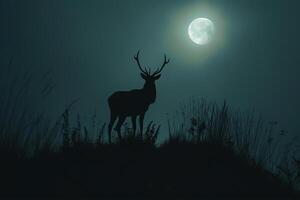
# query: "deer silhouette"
{"points": [[134, 103]]}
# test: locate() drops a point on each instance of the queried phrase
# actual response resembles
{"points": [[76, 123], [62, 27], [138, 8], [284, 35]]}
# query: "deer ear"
{"points": [[157, 77], [143, 76]]}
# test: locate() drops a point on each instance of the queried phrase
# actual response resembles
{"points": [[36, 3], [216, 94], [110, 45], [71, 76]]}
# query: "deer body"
{"points": [[119, 102], [133, 103]]}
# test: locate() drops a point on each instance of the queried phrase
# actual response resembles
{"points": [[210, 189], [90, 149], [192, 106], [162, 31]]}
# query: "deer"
{"points": [[134, 103]]}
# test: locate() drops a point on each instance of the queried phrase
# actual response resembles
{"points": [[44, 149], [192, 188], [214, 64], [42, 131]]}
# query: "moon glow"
{"points": [[201, 31]]}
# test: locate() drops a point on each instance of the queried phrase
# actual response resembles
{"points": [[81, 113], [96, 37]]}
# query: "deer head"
{"points": [[146, 73]]}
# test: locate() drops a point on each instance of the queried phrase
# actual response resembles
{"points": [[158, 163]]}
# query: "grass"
{"points": [[212, 151], [202, 158]]}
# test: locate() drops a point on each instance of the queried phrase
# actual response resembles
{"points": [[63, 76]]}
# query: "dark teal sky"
{"points": [[253, 61]]}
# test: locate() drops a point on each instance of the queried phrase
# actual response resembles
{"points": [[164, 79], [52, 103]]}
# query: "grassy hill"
{"points": [[213, 153], [172, 170]]}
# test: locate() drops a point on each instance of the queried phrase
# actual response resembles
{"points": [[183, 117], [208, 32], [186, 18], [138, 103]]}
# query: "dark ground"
{"points": [[122, 170]]}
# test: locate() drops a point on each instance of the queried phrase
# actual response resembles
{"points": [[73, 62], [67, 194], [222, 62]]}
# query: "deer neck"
{"points": [[149, 91]]}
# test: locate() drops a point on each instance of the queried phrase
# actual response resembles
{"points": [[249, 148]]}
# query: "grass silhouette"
{"points": [[212, 151], [204, 157]]}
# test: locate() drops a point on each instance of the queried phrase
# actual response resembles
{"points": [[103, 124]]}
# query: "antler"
{"points": [[166, 61], [138, 62]]}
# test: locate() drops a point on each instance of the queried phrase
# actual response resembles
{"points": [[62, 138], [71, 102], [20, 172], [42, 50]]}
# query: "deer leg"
{"points": [[141, 124], [133, 119], [111, 124], [119, 124]]}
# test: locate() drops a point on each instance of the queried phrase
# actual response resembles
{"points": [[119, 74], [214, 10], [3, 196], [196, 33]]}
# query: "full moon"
{"points": [[201, 31]]}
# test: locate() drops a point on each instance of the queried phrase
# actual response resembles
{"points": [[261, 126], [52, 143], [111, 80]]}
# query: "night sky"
{"points": [[88, 47]]}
